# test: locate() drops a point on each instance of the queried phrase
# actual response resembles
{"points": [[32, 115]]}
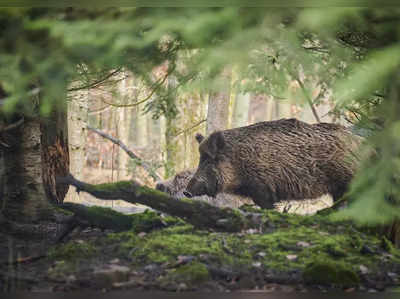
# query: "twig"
{"points": [[94, 84], [190, 128], [308, 100], [136, 103], [316, 49], [130, 153], [12, 126]]}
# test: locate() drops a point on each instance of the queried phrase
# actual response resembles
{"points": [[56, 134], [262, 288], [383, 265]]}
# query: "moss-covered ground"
{"points": [[165, 253]]}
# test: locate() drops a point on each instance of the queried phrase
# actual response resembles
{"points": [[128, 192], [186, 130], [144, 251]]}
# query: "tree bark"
{"points": [[33, 154], [171, 128], [124, 124], [77, 135], [55, 152], [241, 110], [218, 104]]}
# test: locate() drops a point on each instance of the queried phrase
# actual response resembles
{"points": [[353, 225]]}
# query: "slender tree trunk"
{"points": [[270, 109], [123, 127], [241, 110], [171, 130], [283, 109], [218, 104], [77, 136]]}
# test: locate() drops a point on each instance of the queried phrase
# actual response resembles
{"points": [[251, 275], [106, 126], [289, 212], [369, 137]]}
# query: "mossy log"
{"points": [[198, 213], [100, 217]]}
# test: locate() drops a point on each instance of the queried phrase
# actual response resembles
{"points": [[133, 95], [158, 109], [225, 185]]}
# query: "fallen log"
{"points": [[198, 213]]}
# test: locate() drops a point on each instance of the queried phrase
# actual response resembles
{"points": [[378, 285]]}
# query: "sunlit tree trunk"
{"points": [[123, 127], [218, 104], [241, 110], [270, 109], [171, 128], [77, 135], [283, 109], [154, 136]]}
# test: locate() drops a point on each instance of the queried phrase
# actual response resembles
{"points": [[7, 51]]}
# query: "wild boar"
{"points": [[276, 161], [176, 185]]}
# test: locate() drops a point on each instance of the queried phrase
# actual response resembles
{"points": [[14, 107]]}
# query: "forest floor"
{"points": [[294, 253]]}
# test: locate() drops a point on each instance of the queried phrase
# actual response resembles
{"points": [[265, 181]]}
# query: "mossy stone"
{"points": [[192, 274], [72, 251], [330, 273]]}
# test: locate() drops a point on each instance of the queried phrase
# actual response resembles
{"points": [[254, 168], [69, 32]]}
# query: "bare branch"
{"points": [[138, 102], [130, 153], [190, 128], [12, 126], [96, 83], [308, 100]]}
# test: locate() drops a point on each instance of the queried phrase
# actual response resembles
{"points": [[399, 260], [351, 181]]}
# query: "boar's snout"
{"points": [[199, 186], [161, 187]]}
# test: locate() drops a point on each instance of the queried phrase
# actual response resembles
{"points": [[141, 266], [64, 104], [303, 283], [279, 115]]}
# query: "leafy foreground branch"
{"points": [[198, 213]]}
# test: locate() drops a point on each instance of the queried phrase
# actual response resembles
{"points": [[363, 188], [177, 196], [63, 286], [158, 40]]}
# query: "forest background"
{"points": [[153, 77]]}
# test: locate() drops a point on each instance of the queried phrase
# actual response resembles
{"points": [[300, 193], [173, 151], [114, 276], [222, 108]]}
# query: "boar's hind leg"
{"points": [[339, 190], [263, 198]]}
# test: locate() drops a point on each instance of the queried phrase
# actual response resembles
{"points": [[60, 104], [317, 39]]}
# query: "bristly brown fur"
{"points": [[278, 160]]}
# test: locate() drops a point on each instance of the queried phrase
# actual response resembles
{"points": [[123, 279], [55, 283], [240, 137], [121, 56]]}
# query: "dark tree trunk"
{"points": [[55, 154], [33, 152]]}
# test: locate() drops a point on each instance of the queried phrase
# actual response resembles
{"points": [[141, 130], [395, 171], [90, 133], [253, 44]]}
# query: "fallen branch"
{"points": [[198, 213], [130, 153]]}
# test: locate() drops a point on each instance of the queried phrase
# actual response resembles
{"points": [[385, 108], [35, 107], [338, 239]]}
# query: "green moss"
{"points": [[192, 274], [334, 249], [150, 220], [106, 217], [60, 270], [62, 211], [72, 251], [117, 186], [278, 249], [387, 245], [330, 273]]}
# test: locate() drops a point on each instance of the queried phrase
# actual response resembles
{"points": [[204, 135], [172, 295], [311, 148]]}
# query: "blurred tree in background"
{"points": [[347, 55]]}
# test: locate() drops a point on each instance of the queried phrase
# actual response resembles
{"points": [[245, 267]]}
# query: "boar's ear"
{"points": [[216, 143], [199, 138]]}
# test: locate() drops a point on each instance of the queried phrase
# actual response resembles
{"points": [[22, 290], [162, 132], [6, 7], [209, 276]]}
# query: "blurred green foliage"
{"points": [[352, 51]]}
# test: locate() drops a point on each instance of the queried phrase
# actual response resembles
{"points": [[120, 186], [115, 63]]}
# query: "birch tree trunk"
{"points": [[77, 136]]}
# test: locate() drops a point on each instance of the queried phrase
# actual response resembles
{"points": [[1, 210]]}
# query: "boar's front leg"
{"points": [[264, 198]]}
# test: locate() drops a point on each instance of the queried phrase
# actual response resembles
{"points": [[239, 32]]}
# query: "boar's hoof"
{"points": [[187, 194]]}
